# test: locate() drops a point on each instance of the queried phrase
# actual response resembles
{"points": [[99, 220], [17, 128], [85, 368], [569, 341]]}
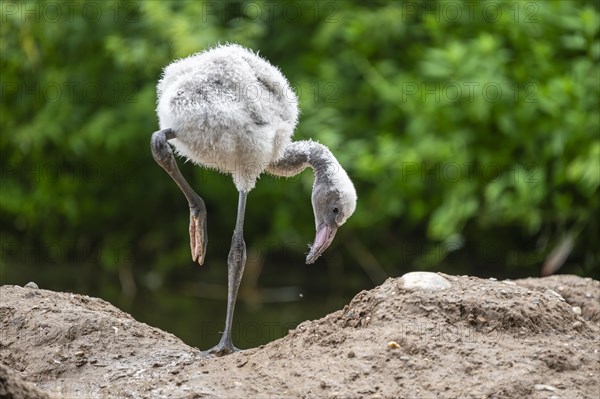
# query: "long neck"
{"points": [[299, 155]]}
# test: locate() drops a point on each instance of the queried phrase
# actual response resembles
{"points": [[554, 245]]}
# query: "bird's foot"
{"points": [[221, 349], [198, 234]]}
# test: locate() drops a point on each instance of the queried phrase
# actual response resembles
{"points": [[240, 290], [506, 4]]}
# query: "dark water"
{"points": [[189, 301], [192, 305], [199, 322]]}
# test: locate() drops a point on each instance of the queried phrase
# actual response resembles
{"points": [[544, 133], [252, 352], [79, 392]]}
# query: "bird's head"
{"points": [[333, 201]]}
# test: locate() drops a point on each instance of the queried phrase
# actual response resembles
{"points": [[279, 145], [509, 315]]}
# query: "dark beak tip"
{"points": [[321, 243]]}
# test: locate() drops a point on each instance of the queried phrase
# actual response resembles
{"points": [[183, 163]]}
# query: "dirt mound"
{"points": [[12, 386], [577, 291], [479, 338]]}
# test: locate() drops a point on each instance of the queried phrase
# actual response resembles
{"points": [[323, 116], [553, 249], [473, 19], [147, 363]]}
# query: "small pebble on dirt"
{"points": [[32, 285], [393, 345], [351, 354], [554, 293], [424, 281], [577, 310], [543, 387]]}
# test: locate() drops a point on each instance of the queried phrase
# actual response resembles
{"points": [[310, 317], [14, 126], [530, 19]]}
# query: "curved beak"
{"points": [[324, 237]]}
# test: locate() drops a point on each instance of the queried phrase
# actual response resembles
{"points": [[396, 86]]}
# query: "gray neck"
{"points": [[302, 154]]}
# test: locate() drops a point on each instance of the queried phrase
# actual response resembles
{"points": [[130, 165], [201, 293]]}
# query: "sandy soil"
{"points": [[479, 338]]}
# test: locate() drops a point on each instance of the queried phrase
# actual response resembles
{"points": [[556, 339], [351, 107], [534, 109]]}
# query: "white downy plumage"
{"points": [[235, 112], [232, 111]]}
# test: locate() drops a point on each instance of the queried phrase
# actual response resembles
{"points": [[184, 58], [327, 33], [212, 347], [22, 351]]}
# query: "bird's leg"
{"points": [[236, 263], [163, 155]]}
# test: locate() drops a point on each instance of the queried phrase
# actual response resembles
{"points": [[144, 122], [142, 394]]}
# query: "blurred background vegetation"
{"points": [[470, 129]]}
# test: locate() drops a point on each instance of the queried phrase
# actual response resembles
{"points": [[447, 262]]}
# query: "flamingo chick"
{"points": [[229, 109]]}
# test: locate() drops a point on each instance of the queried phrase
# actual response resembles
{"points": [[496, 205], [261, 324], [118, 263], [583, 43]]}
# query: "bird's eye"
{"points": [[335, 210]]}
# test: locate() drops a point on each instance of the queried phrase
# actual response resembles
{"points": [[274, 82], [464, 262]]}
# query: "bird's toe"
{"points": [[197, 236], [221, 350]]}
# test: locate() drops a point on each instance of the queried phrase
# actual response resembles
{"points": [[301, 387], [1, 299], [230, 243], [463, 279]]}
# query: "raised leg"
{"points": [[163, 155], [235, 269]]}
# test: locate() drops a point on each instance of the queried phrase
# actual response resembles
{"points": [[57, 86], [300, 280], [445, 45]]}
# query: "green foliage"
{"points": [[465, 126]]}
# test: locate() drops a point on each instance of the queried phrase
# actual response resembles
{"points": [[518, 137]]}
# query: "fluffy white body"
{"points": [[232, 111]]}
